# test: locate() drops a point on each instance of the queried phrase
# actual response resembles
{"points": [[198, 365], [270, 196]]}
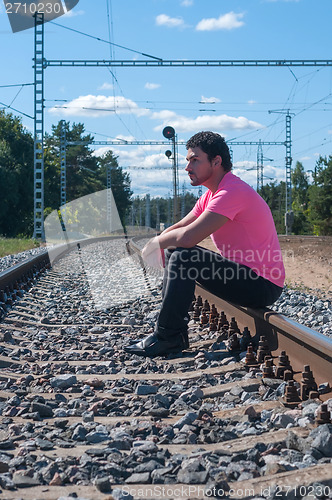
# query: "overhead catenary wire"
{"points": [[106, 41], [117, 113], [16, 85], [7, 106]]}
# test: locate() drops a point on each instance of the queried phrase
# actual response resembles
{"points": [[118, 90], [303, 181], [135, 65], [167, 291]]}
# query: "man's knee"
{"points": [[181, 255]]}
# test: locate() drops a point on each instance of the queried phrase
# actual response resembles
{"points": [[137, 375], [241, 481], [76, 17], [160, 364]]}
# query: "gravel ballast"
{"points": [[73, 386]]}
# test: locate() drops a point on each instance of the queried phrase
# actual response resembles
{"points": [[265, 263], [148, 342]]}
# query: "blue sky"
{"points": [[136, 103]]}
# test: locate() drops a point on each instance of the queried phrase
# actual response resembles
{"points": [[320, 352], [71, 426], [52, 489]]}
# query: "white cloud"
{"points": [[187, 3], [106, 86], [228, 21], [206, 122], [247, 170], [155, 176], [98, 105], [152, 86], [125, 137], [141, 156], [251, 102], [74, 13], [209, 100], [170, 22], [155, 172], [245, 165], [165, 114], [102, 151]]}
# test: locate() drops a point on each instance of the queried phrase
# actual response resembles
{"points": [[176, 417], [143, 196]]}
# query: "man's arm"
{"points": [[193, 232]]}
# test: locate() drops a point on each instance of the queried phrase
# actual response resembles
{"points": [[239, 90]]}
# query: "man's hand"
{"points": [[153, 255]]}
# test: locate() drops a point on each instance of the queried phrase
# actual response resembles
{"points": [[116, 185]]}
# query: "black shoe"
{"points": [[156, 346]]}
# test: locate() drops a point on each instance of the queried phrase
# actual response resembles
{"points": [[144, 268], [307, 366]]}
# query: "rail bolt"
{"points": [[291, 397], [283, 365], [250, 359], [268, 368], [308, 383], [263, 350], [323, 415]]}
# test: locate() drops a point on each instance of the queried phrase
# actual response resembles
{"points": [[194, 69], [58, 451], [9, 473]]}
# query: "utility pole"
{"points": [[289, 215], [38, 149], [109, 196], [288, 162], [63, 176], [132, 216], [259, 168], [158, 215], [147, 211], [183, 201], [140, 212], [230, 152], [168, 210]]}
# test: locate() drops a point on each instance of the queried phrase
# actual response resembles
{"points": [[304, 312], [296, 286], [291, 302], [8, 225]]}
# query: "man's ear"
{"points": [[217, 160]]}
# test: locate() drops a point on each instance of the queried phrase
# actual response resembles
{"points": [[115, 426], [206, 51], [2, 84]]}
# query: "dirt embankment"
{"points": [[308, 264]]}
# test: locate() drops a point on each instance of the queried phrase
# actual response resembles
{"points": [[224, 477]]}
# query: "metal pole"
{"points": [[158, 216], [175, 181], [169, 210], [109, 195], [288, 144], [63, 181], [183, 201], [147, 211], [288, 162], [259, 168], [38, 150], [132, 216]]}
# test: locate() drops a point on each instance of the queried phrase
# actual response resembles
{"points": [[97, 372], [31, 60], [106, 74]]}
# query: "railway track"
{"points": [[80, 418]]}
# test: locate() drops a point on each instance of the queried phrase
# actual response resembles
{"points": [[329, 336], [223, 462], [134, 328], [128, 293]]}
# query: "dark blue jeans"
{"points": [[230, 281]]}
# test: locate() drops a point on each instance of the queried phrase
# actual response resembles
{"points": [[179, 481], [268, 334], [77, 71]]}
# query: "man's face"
{"points": [[199, 167]]}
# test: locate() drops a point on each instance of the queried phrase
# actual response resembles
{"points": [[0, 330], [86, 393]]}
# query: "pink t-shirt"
{"points": [[249, 237]]}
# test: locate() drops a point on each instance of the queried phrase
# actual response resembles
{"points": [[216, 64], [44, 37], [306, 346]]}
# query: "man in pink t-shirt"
{"points": [[248, 268]]}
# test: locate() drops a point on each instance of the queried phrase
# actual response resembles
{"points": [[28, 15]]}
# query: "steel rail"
{"points": [[261, 322], [304, 345], [15, 273], [19, 272]]}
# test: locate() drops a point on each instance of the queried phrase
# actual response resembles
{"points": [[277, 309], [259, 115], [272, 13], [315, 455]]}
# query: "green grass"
{"points": [[9, 246]]}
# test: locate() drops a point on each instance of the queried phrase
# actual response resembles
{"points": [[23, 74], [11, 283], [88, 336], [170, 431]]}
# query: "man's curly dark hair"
{"points": [[212, 144]]}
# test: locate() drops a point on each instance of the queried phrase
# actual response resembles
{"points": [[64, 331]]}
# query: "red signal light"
{"points": [[169, 132]]}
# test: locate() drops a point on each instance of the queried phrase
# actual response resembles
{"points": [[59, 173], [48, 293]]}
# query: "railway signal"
{"points": [[170, 134]]}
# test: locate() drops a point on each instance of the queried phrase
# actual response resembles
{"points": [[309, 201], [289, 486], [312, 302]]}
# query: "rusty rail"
{"points": [[304, 345]]}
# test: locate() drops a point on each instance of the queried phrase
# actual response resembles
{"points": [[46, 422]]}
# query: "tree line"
{"points": [[86, 174], [311, 199]]}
